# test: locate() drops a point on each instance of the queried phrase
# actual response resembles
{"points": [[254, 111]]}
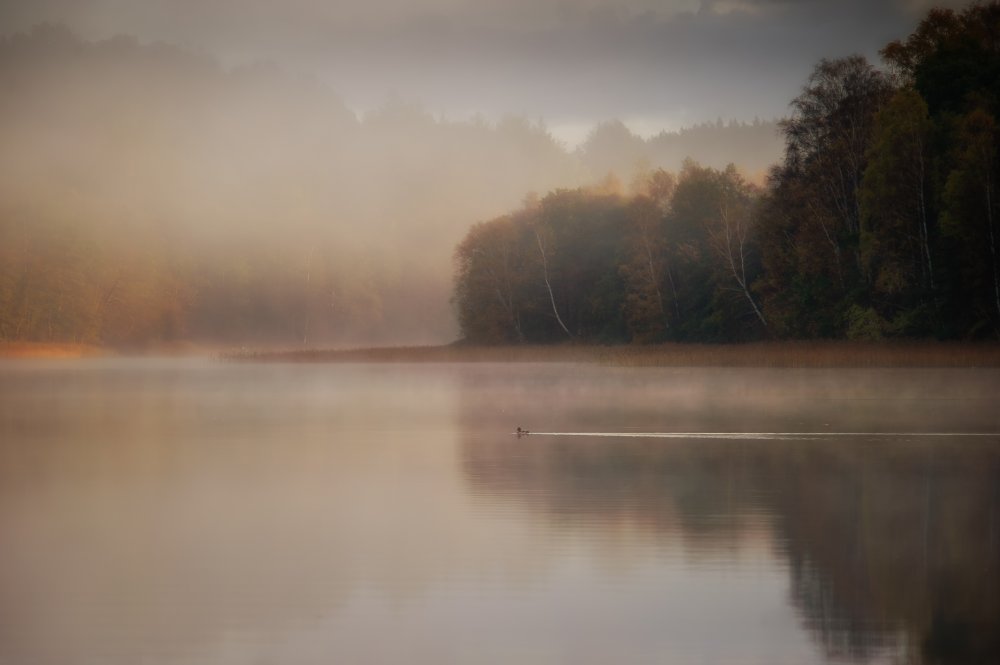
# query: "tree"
{"points": [[950, 56], [971, 213], [800, 285], [612, 148], [810, 222], [686, 225], [952, 60], [488, 280], [545, 276], [897, 226], [731, 235], [646, 268], [828, 137], [711, 255]]}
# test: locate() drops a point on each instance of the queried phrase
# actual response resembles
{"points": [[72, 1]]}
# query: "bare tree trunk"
{"points": [[545, 274], [923, 219], [739, 274]]}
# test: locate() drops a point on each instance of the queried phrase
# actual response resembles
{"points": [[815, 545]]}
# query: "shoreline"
{"points": [[792, 354], [51, 350], [79, 351], [761, 354]]}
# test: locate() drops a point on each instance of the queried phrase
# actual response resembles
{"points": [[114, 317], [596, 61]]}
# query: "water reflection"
{"points": [[202, 513], [161, 513], [890, 542]]}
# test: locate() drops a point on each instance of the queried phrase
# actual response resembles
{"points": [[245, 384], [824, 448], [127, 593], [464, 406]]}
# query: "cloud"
{"points": [[561, 59]]}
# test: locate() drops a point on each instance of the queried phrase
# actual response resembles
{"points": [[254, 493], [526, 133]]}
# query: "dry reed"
{"points": [[764, 354]]}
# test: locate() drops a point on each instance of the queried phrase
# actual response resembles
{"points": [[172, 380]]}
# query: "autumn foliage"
{"points": [[881, 221]]}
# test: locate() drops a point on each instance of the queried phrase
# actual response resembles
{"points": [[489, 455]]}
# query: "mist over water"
{"points": [[197, 512], [251, 174]]}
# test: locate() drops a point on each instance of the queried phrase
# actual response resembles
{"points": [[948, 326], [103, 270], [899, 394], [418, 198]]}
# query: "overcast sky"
{"points": [[654, 64]]}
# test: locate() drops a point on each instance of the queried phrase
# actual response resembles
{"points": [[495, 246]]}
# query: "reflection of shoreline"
{"points": [[867, 554], [890, 542]]}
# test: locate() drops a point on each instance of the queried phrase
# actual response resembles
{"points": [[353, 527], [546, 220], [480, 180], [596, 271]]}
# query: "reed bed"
{"points": [[766, 354], [49, 350]]}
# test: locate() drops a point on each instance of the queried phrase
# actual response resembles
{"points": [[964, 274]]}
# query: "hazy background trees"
{"points": [[149, 194]]}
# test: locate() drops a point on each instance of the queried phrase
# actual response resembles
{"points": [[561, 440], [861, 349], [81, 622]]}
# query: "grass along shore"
{"points": [[764, 354], [72, 350], [51, 350], [761, 354]]}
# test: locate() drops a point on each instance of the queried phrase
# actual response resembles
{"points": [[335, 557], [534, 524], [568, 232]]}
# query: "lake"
{"points": [[194, 512]]}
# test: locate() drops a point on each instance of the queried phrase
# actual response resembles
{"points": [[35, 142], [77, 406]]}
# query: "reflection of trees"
{"points": [[663, 489], [886, 542], [898, 536]]}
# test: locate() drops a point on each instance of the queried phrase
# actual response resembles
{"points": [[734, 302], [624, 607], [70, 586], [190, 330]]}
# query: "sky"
{"points": [[656, 65]]}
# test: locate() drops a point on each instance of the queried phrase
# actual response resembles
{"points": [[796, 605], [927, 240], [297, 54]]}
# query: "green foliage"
{"points": [[952, 64], [882, 219], [898, 226], [971, 217], [864, 324], [522, 277]]}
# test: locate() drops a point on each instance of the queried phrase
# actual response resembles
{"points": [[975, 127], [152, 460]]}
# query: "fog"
{"points": [[299, 173], [664, 64], [121, 147], [187, 511], [144, 183]]}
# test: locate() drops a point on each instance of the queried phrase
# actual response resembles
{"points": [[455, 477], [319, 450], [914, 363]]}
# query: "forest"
{"points": [[150, 196], [880, 221]]}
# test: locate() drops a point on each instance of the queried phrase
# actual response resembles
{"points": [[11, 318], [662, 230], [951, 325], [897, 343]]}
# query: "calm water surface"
{"points": [[194, 512]]}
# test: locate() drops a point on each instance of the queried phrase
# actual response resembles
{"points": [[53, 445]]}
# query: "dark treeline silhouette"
{"points": [[148, 194], [881, 220]]}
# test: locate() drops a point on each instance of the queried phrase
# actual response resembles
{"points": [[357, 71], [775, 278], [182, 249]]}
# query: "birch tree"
{"points": [[730, 236]]}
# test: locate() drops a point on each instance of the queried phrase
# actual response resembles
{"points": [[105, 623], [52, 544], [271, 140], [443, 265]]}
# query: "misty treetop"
{"points": [[150, 194], [881, 220], [672, 262]]}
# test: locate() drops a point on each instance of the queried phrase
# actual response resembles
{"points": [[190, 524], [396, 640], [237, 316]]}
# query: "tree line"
{"points": [[150, 195], [880, 221]]}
